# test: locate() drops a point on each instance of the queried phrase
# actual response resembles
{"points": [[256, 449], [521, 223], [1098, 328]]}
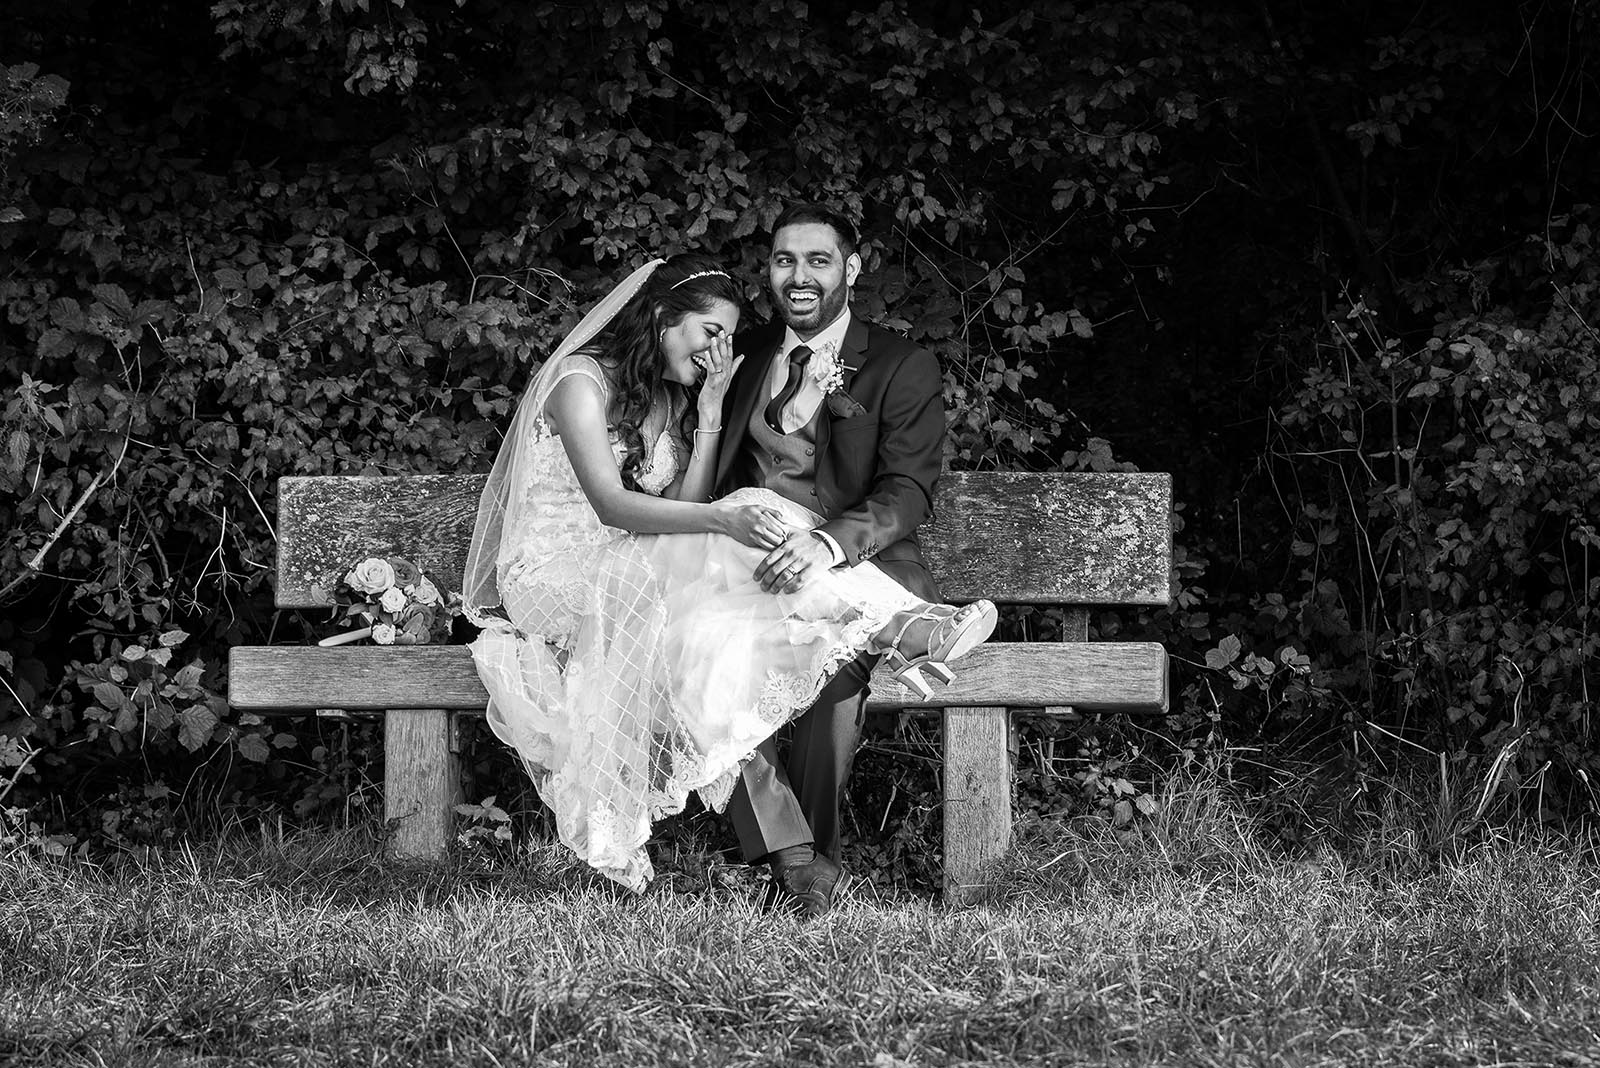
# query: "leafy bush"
{"points": [[310, 237], [1440, 499], [329, 241]]}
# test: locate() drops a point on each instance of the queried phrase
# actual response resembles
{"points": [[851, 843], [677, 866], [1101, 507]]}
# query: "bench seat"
{"points": [[1101, 676]]}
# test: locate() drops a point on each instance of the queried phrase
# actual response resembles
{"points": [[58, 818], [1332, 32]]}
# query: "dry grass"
{"points": [[1187, 945]]}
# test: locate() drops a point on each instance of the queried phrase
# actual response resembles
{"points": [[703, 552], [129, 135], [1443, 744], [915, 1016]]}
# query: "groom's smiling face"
{"points": [[810, 274]]}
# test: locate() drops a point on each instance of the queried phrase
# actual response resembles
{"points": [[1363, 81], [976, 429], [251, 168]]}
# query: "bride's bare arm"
{"points": [[698, 479], [695, 483], [576, 409]]}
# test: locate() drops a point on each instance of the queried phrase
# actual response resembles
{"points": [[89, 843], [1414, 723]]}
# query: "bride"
{"points": [[629, 653]]}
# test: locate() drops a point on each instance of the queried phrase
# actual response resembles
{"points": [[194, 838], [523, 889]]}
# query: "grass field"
{"points": [[1188, 944]]}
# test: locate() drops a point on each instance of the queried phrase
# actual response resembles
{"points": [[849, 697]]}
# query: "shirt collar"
{"points": [[834, 332]]}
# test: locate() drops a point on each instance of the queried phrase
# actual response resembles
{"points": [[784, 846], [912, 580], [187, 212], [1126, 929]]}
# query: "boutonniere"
{"points": [[828, 371]]}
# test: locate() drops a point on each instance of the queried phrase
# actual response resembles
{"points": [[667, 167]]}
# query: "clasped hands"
{"points": [[792, 553], [785, 568]]}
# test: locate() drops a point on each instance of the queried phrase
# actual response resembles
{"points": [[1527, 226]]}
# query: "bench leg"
{"points": [[420, 782], [977, 796]]}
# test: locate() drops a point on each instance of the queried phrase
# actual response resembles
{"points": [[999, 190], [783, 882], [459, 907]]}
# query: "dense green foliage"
{"points": [[1330, 266]]}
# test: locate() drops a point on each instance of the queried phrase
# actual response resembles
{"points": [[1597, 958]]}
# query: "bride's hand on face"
{"points": [[718, 363], [754, 525]]}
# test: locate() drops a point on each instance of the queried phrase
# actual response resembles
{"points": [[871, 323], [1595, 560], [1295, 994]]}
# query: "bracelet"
{"points": [[703, 430]]}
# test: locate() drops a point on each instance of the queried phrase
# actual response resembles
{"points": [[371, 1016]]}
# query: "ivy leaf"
{"points": [[1226, 652], [160, 715], [253, 748], [188, 676], [110, 695], [1294, 659], [19, 448], [114, 298], [173, 637], [195, 725]]}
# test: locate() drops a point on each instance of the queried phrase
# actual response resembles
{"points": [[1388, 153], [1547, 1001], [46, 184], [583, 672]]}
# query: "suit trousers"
{"points": [[778, 804]]}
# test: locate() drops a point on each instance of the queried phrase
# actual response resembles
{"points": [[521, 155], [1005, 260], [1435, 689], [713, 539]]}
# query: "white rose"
{"points": [[383, 633], [393, 599], [425, 593], [372, 575]]}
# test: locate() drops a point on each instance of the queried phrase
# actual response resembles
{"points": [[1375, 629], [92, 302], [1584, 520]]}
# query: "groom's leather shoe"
{"points": [[806, 889]]}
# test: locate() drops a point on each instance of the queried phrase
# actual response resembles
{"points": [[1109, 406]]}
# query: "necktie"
{"points": [[798, 358]]}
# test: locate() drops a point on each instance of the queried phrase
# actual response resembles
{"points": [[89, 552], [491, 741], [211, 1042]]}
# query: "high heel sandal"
{"points": [[967, 633]]}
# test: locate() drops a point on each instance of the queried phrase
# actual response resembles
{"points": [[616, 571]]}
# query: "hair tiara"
{"points": [[698, 274]]}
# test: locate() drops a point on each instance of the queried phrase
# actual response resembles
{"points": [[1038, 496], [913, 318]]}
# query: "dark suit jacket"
{"points": [[876, 470]]}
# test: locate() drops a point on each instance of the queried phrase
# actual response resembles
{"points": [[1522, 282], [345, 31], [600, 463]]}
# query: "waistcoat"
{"points": [[787, 463]]}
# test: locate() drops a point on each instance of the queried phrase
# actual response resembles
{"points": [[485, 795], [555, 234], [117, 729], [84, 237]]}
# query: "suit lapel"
{"points": [[855, 351], [852, 354], [743, 396]]}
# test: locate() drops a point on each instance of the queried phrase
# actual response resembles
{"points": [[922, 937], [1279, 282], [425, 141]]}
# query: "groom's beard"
{"points": [[830, 302]]}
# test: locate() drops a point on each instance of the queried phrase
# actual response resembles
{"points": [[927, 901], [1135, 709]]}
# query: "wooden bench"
{"points": [[1075, 540]]}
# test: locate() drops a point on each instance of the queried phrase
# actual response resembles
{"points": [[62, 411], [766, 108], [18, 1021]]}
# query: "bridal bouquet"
{"points": [[398, 603]]}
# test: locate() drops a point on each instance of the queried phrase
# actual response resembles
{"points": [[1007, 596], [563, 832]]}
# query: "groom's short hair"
{"points": [[806, 212]]}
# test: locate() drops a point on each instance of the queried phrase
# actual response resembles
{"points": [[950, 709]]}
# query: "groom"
{"points": [[863, 450]]}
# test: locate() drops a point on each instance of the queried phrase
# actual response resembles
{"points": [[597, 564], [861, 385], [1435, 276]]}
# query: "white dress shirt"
{"points": [[798, 412]]}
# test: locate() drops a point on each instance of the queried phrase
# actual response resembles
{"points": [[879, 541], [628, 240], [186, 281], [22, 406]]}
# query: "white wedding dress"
{"points": [[631, 669]]}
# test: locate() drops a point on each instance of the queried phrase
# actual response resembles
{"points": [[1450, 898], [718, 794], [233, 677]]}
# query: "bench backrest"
{"points": [[1045, 539]]}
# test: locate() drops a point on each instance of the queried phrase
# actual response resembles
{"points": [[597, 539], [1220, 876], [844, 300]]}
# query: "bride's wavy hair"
{"points": [[629, 346]]}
